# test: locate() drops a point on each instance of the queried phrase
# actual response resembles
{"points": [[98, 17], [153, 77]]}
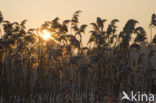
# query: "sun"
{"points": [[45, 35]]}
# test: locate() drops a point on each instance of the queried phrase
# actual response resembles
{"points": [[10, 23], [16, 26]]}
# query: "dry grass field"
{"points": [[50, 64]]}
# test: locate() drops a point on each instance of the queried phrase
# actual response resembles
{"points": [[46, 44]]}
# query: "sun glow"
{"points": [[45, 35]]}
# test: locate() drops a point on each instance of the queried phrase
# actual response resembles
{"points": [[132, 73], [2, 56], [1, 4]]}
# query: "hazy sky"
{"points": [[38, 11]]}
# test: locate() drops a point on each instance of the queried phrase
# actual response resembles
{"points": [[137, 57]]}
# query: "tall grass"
{"points": [[34, 70]]}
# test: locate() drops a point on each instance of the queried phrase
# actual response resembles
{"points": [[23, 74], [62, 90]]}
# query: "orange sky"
{"points": [[38, 11]]}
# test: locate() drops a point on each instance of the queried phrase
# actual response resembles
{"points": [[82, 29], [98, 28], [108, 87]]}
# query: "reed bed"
{"points": [[63, 70]]}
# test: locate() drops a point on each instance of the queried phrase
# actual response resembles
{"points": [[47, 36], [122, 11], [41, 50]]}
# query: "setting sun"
{"points": [[45, 34]]}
